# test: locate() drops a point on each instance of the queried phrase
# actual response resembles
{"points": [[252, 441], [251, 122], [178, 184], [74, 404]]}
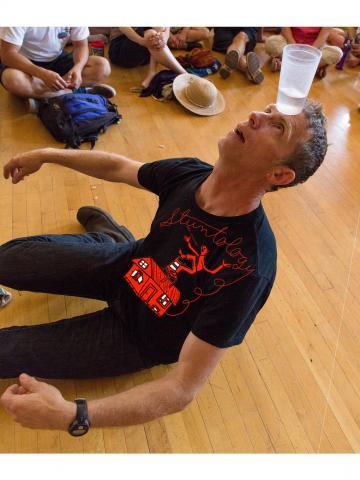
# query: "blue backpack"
{"points": [[75, 118]]}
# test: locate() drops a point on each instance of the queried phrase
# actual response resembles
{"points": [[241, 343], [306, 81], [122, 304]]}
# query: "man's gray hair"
{"points": [[308, 155]]}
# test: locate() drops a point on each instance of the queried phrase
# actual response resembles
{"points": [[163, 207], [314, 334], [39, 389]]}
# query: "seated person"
{"points": [[238, 43], [338, 36], [134, 47], [314, 36], [35, 64], [187, 38], [185, 293]]}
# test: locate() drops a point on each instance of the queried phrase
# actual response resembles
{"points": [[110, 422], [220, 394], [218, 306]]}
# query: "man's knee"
{"points": [[242, 36], [100, 67], [16, 82], [331, 55], [274, 45], [149, 33]]}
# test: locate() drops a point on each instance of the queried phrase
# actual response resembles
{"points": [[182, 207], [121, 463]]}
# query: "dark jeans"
{"points": [[87, 346], [126, 53]]}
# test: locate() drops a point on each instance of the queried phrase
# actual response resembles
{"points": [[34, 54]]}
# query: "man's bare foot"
{"points": [[147, 80]]}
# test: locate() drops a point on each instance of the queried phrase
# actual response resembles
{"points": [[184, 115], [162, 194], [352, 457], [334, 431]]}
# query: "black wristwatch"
{"points": [[81, 424]]}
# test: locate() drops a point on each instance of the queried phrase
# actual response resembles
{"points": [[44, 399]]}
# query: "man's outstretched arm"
{"points": [[104, 165], [39, 405]]}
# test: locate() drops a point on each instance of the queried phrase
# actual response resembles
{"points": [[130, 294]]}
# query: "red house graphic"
{"points": [[152, 285]]}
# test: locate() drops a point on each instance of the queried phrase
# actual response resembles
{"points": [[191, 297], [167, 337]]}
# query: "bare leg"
{"points": [[162, 56], [337, 37], [352, 61], [234, 58], [25, 86], [239, 44], [197, 34], [96, 70], [151, 72]]}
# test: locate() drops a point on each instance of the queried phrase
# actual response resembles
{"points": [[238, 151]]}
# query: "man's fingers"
{"points": [[6, 171], [17, 175], [62, 82], [13, 389], [29, 383], [8, 395]]}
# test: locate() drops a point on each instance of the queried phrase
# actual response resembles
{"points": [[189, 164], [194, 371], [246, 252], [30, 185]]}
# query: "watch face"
{"points": [[78, 430]]}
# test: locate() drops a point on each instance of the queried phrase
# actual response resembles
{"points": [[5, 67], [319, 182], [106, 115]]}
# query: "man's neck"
{"points": [[227, 195]]}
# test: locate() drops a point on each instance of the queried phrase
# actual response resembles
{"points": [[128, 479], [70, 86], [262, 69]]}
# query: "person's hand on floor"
{"points": [[36, 404]]}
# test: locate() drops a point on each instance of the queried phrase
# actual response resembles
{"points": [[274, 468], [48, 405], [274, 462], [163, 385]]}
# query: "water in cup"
{"points": [[290, 101], [299, 64]]}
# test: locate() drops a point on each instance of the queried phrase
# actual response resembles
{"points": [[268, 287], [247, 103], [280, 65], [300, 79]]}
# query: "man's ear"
{"points": [[281, 175]]}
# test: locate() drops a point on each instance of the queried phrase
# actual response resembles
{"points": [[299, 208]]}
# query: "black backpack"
{"points": [[75, 118]]}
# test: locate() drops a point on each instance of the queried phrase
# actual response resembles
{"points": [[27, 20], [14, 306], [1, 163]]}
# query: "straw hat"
{"points": [[198, 95]]}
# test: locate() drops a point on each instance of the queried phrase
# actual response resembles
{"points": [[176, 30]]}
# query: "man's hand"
{"points": [[36, 404], [24, 164], [53, 80], [74, 77]]}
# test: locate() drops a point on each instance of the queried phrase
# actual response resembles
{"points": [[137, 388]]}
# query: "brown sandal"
{"points": [[254, 72]]}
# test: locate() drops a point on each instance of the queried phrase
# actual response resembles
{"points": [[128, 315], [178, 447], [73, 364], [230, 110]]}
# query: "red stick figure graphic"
{"points": [[198, 260]]}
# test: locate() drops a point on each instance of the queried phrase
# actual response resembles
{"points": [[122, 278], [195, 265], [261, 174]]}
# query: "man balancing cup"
{"points": [[298, 69]]}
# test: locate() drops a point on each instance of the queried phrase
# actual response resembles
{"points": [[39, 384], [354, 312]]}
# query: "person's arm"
{"points": [[80, 57], [11, 57], [104, 165], [287, 34], [322, 37], [39, 405], [131, 34]]}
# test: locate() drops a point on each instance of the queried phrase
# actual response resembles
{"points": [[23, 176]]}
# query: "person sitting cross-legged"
{"points": [[35, 64]]}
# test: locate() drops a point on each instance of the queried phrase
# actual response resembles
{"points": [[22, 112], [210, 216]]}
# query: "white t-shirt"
{"points": [[42, 44]]}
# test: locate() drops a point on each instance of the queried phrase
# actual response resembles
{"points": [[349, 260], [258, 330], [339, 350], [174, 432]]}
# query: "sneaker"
{"points": [[94, 219], [101, 89], [5, 297], [32, 105]]}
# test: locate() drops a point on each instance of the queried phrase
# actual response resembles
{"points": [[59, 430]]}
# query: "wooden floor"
{"points": [[294, 384]]}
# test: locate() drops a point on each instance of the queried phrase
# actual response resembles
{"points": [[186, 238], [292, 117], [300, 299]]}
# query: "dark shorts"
{"points": [[126, 53], [61, 65], [223, 37]]}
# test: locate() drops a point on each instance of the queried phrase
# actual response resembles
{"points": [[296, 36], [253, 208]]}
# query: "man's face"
{"points": [[260, 142]]}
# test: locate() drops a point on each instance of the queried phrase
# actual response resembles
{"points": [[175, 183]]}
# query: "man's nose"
{"points": [[256, 119]]}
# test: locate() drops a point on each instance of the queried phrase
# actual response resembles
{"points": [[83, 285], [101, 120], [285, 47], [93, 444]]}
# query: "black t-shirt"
{"points": [[194, 271]]}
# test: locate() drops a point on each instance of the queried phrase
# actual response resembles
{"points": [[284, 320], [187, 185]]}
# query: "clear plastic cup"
{"points": [[298, 68]]}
